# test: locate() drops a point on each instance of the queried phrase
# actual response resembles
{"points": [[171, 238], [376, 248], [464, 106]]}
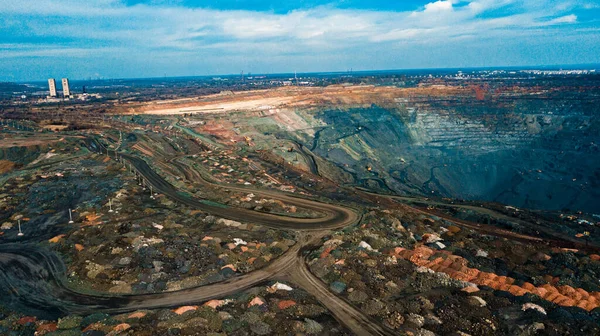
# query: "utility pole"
{"points": [[20, 234]]}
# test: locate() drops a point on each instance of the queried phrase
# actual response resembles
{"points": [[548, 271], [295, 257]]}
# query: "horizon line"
{"points": [[349, 71]]}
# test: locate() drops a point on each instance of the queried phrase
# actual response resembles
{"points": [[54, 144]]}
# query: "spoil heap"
{"points": [[456, 267]]}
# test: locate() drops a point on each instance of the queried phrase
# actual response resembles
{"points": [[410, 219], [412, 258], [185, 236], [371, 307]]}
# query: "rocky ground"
{"points": [[122, 240], [151, 245], [413, 271], [273, 309], [410, 270]]}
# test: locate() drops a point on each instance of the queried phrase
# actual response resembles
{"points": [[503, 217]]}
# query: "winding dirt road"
{"points": [[36, 276]]}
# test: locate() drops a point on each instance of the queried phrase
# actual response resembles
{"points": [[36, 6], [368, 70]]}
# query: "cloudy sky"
{"points": [[153, 38]]}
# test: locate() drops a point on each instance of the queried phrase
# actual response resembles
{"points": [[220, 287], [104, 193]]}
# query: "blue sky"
{"points": [[152, 38]]}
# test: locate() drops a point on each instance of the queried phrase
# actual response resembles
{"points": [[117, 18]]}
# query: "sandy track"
{"points": [[290, 97]]}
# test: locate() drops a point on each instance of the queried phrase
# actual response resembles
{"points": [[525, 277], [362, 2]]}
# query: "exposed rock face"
{"points": [[527, 154]]}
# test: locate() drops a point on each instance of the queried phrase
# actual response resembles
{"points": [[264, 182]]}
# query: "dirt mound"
{"points": [[456, 268], [6, 166]]}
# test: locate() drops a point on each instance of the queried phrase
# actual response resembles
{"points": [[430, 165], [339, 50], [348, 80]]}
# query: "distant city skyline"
{"points": [[138, 39]]}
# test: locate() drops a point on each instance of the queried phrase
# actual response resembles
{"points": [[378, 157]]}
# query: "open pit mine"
{"points": [[376, 205]]}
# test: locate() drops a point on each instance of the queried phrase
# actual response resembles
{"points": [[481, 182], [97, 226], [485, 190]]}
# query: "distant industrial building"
{"points": [[66, 89], [52, 86]]}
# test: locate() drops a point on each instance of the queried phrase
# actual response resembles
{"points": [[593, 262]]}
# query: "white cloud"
{"points": [[438, 6], [564, 19], [161, 26], [96, 28]]}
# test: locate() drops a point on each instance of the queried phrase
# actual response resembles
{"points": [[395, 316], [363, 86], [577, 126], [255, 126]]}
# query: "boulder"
{"points": [[337, 287], [477, 301], [185, 309]]}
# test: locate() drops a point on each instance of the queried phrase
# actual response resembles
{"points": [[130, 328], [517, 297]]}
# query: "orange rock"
{"points": [[244, 248], [285, 304], [551, 296], [46, 328], [452, 273], [341, 262], [471, 289], [582, 304], [482, 276], [92, 218], [230, 266], [549, 288], [491, 283], [561, 300], [454, 229], [251, 261], [56, 239], [185, 309], [521, 291], [472, 273], [79, 247], [576, 296], [591, 306], [528, 286], [256, 302], [27, 319], [94, 326], [121, 327], [504, 287], [568, 303], [214, 303], [447, 263], [566, 290], [584, 294], [462, 276], [539, 291], [436, 261], [462, 269], [595, 257], [424, 251], [326, 252], [396, 251], [137, 315], [492, 276], [421, 262], [516, 290]]}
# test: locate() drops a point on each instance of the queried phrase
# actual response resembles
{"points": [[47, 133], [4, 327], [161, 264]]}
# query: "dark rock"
{"points": [[94, 333], [97, 317]]}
